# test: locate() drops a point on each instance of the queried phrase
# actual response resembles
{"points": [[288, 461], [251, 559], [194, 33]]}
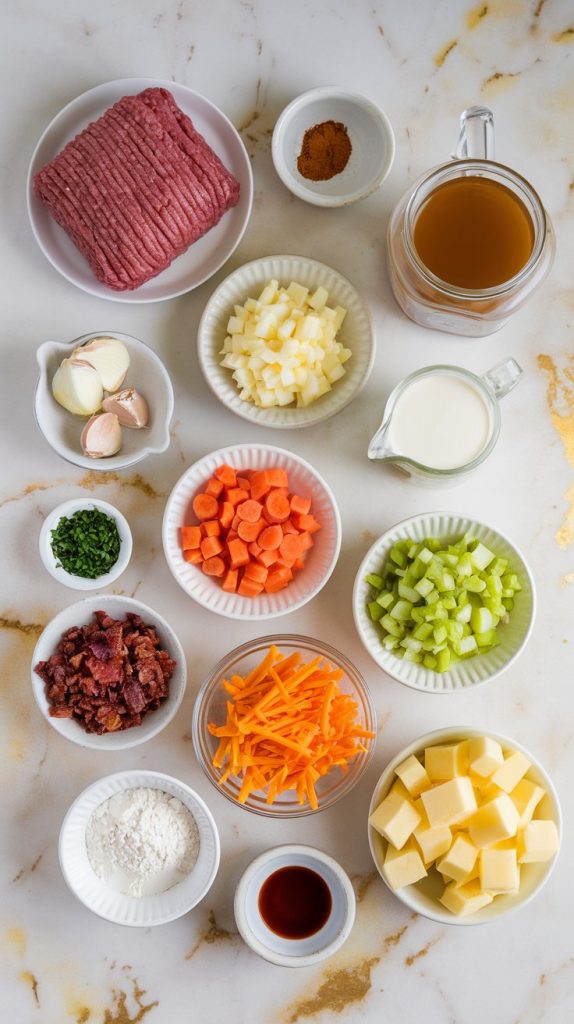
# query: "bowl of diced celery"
{"points": [[443, 602]]}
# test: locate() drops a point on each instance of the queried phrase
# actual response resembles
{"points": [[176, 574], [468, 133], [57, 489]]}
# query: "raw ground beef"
{"points": [[136, 188], [108, 674]]}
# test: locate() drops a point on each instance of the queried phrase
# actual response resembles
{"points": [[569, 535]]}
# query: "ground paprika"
{"points": [[325, 151]]}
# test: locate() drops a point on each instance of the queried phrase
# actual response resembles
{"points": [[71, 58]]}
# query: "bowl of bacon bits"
{"points": [[251, 532], [108, 672]]}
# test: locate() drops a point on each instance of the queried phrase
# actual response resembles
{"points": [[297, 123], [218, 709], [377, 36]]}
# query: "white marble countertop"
{"points": [[423, 63]]}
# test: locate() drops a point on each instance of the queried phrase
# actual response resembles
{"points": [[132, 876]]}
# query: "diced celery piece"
{"points": [[418, 615], [429, 645], [494, 585], [398, 554], [429, 661], [462, 599], [410, 644], [499, 567], [451, 559], [411, 656], [374, 580], [433, 597], [440, 612], [475, 584], [464, 565], [466, 645], [481, 557], [481, 620], [463, 614], [375, 611], [424, 587], [390, 642], [508, 604], [412, 551], [425, 555], [454, 630], [417, 569], [439, 634], [449, 602], [443, 660], [401, 611], [487, 639], [423, 631], [408, 593], [392, 626], [511, 581], [446, 582], [386, 599], [400, 572]]}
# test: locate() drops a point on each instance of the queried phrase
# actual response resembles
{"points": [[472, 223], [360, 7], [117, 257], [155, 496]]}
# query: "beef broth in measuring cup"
{"points": [[471, 241]]}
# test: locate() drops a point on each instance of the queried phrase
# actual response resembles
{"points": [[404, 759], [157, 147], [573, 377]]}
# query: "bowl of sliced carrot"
{"points": [[251, 531], [284, 726]]}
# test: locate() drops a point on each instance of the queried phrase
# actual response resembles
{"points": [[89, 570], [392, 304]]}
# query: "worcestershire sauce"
{"points": [[295, 902]]}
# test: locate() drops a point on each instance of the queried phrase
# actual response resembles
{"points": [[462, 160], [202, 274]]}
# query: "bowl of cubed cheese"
{"points": [[464, 826], [286, 342]]}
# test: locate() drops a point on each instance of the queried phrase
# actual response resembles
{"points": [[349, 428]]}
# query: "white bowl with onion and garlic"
{"points": [[289, 360], [468, 900], [123, 403]]}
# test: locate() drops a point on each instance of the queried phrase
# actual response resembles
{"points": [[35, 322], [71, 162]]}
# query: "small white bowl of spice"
{"points": [[85, 544], [331, 147], [139, 848]]}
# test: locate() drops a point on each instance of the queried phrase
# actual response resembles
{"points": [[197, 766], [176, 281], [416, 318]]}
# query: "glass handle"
{"points": [[503, 377], [476, 139]]}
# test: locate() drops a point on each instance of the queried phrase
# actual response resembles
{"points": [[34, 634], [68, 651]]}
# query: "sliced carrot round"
{"points": [[290, 547], [213, 566], [250, 511], [277, 506], [205, 506], [270, 538]]}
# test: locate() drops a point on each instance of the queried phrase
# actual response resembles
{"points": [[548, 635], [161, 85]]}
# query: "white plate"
{"points": [[356, 333], [205, 256], [142, 911], [423, 897], [513, 636], [321, 558], [81, 613], [63, 430]]}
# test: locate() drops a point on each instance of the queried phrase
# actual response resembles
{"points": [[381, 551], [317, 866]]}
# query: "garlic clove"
{"points": [[102, 436], [129, 406], [109, 357], [77, 387]]}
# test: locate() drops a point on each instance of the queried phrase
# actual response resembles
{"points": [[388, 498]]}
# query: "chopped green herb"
{"points": [[86, 544]]}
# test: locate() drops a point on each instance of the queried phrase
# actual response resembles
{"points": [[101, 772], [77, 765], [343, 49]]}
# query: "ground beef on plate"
{"points": [[136, 188], [108, 674]]}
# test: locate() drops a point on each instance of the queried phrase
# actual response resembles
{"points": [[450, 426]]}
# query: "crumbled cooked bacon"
{"points": [[108, 674]]}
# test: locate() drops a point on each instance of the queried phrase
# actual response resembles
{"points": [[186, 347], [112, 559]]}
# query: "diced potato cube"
{"points": [[235, 325], [285, 330], [499, 871], [340, 314], [252, 306], [297, 292], [319, 298], [269, 292], [537, 842], [403, 867]]}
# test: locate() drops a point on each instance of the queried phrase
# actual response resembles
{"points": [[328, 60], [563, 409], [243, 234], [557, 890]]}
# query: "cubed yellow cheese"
{"points": [[499, 871], [526, 796], [496, 820], [511, 771], [433, 842], [484, 755], [465, 899], [449, 802], [471, 875], [413, 776], [395, 819], [537, 842], [403, 867], [460, 859], [446, 761]]}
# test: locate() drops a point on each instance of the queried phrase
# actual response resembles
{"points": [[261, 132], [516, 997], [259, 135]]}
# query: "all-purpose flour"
{"points": [[142, 841]]}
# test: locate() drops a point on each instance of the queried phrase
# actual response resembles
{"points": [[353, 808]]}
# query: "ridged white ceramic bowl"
{"points": [[321, 558], [356, 333], [447, 526], [96, 895], [65, 511], [63, 430], [423, 896], [79, 614]]}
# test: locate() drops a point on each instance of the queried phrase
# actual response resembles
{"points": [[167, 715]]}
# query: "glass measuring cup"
{"points": [[432, 302], [385, 445]]}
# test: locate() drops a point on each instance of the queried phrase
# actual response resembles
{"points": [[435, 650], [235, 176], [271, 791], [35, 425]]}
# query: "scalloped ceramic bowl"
{"points": [[211, 706], [423, 896], [143, 911], [65, 511], [321, 558], [513, 636], [80, 613], [356, 333], [62, 429]]}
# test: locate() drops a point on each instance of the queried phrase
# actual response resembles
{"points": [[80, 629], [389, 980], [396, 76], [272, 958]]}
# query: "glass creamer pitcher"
{"points": [[441, 422], [458, 308]]}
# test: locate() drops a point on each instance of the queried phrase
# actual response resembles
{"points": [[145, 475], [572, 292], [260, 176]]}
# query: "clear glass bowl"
{"points": [[210, 706]]}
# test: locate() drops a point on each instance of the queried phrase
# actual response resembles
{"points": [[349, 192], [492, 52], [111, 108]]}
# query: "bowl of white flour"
{"points": [[139, 848]]}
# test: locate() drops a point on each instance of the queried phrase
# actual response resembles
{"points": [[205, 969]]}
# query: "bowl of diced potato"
{"points": [[464, 826], [286, 342]]}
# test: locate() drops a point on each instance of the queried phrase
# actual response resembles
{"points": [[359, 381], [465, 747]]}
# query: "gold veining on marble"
{"points": [[567, 579], [15, 938], [29, 979], [89, 482], [560, 402], [26, 628], [499, 82], [443, 54], [566, 36], [362, 884], [474, 17], [410, 960], [341, 988], [24, 872], [211, 936], [118, 1013]]}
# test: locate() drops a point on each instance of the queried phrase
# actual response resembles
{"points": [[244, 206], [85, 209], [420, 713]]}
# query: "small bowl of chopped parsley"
{"points": [[85, 544]]}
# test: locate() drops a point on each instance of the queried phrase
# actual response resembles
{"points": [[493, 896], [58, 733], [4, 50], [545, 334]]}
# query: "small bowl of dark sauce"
{"points": [[294, 906]]}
